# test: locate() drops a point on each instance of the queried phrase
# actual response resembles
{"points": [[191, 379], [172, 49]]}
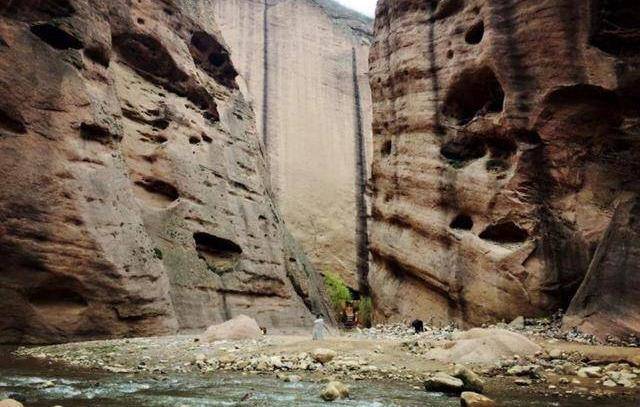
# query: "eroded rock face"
{"points": [[607, 301], [135, 196], [305, 63], [504, 131]]}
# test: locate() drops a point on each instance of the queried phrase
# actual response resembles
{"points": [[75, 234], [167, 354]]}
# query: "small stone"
{"points": [[322, 355], [292, 378], [517, 323], [472, 382], [555, 354], [523, 382], [609, 383], [334, 390], [471, 399], [528, 370], [443, 383]]}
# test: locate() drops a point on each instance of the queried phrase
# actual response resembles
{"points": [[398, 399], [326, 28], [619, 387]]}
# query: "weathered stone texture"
{"points": [[504, 131], [135, 195], [297, 58]]}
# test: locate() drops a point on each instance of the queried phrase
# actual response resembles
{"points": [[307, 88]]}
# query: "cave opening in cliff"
{"points": [[148, 56], [504, 232], [56, 37], [616, 27], [473, 93], [95, 132], [156, 192], [462, 222], [213, 58], [221, 255], [12, 122], [57, 302], [475, 33]]}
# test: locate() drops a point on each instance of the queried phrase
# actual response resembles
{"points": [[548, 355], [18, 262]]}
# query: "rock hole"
{"points": [[462, 222], [504, 232], [99, 55], [450, 54], [474, 93], [156, 192], [501, 147], [213, 58], [386, 148], [39, 9], [221, 255], [447, 8], [56, 37], [12, 122], [475, 33], [94, 132], [616, 27], [194, 140], [206, 138], [462, 150], [527, 137], [497, 165], [149, 57]]}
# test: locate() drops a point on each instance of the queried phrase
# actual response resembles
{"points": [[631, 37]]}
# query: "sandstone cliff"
{"points": [[305, 63], [135, 195], [504, 132]]}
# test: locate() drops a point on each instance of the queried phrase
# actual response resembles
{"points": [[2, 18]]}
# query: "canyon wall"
{"points": [[135, 197], [305, 63], [505, 135]]}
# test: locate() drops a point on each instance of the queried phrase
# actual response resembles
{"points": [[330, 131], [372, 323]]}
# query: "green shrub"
{"points": [[157, 253], [337, 290], [365, 311]]}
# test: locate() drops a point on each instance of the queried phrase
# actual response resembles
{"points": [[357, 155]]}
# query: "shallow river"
{"points": [[75, 388]]}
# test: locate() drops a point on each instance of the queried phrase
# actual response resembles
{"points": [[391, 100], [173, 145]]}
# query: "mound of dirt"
{"points": [[480, 345]]}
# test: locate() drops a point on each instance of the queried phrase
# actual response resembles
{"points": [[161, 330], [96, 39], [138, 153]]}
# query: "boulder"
{"points": [[593, 372], [443, 383], [472, 382], [517, 323], [334, 390], [481, 345], [322, 355], [240, 327], [10, 403], [532, 371], [471, 399]]}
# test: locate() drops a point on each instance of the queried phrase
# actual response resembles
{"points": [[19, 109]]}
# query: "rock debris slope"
{"points": [[135, 198], [504, 134], [305, 63]]}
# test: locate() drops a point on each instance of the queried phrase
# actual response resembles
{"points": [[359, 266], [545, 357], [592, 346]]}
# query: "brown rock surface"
{"points": [[135, 198], [607, 302], [504, 131], [305, 63]]}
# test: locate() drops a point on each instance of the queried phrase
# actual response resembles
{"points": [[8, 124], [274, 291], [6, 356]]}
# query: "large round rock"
{"points": [[240, 327]]}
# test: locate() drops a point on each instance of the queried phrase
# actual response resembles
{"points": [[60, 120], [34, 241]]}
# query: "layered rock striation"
{"points": [[135, 197], [305, 63], [504, 134]]}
